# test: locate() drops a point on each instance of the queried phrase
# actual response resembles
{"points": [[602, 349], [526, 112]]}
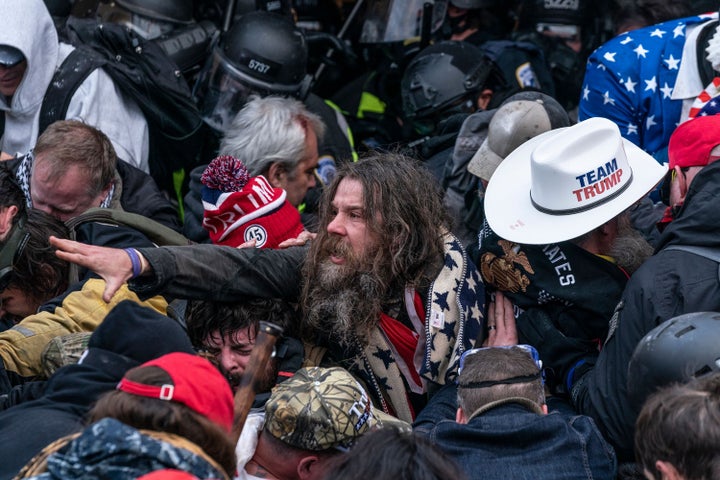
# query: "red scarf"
{"points": [[404, 339]]}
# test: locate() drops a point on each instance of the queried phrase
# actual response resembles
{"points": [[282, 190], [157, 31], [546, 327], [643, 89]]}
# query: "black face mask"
{"points": [[457, 24]]}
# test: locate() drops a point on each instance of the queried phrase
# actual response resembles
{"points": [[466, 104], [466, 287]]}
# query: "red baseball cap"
{"points": [[692, 141], [196, 383], [168, 474]]}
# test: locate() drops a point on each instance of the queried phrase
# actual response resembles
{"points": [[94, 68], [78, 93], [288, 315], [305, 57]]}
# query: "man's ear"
{"points": [[460, 416], [306, 467], [6, 219], [484, 99], [276, 175], [667, 471], [683, 183]]}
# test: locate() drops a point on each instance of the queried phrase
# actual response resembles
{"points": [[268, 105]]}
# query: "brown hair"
{"points": [[204, 317], [411, 220], [494, 364], [390, 453], [38, 272], [71, 142], [680, 424], [164, 416]]}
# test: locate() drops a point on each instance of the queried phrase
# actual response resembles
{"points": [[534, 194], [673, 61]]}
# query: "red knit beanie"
{"points": [[239, 208]]}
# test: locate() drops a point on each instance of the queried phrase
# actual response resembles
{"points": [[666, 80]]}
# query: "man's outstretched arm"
{"points": [[201, 271]]}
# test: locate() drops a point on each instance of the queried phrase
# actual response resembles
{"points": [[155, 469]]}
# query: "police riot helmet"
{"points": [[263, 53], [148, 18], [677, 350], [282, 7], [176, 11], [475, 4], [388, 21], [553, 12], [269, 50], [441, 77]]}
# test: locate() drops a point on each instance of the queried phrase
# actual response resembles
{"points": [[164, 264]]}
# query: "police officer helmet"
{"points": [[475, 4], [263, 53], [149, 19], [558, 12], [441, 77], [677, 350], [176, 11], [282, 7], [269, 51]]}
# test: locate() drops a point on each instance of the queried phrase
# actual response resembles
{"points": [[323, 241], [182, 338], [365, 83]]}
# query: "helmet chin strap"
{"points": [[713, 50]]}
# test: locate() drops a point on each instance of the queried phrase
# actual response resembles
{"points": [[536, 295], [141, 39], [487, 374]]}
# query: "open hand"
{"points": [[112, 264]]}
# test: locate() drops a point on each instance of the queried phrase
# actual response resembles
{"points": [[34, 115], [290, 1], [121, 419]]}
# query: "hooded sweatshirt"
{"points": [[28, 26], [129, 336]]}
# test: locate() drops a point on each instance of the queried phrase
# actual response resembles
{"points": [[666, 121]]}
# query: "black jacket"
{"points": [[668, 284], [129, 335], [140, 194]]}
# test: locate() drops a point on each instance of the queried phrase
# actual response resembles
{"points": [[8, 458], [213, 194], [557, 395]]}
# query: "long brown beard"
{"points": [[343, 302]]}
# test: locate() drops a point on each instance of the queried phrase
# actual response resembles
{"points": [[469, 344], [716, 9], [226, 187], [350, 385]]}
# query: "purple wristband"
{"points": [[135, 260]]}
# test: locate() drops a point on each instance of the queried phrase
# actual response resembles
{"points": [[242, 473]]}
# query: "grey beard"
{"points": [[630, 249], [344, 303]]}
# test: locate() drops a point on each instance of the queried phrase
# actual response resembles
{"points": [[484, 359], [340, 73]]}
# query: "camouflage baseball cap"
{"points": [[322, 408]]}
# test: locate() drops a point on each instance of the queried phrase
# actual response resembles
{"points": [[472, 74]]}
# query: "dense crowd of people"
{"points": [[339, 240]]}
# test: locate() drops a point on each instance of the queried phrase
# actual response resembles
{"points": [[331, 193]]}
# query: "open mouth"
{"points": [[234, 381], [337, 260]]}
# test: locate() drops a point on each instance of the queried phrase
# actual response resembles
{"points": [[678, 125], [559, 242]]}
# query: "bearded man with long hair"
{"points": [[382, 260], [387, 292]]}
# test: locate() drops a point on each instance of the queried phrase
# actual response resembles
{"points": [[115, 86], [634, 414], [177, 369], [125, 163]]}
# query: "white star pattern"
{"points": [[475, 313], [626, 40], [657, 33], [586, 92], [667, 91], [471, 284], [600, 66], [610, 56], [679, 31], [651, 84], [650, 122], [672, 62], [640, 51], [630, 85], [632, 129], [607, 99]]}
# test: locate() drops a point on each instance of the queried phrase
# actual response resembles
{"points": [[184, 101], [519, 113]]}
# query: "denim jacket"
{"points": [[510, 441]]}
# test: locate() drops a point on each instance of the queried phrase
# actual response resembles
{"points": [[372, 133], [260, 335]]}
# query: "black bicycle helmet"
{"points": [[677, 350]]}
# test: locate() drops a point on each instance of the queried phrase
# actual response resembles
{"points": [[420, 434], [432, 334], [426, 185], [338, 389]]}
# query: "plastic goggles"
{"points": [[529, 349]]}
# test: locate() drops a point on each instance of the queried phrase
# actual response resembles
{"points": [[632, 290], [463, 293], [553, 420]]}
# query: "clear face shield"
{"points": [[398, 20], [146, 27], [220, 93]]}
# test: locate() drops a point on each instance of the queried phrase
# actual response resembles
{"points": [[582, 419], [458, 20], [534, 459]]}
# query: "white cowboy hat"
{"points": [[567, 182]]}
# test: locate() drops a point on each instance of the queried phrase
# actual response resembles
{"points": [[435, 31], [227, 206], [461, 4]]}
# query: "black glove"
{"points": [[560, 354]]}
